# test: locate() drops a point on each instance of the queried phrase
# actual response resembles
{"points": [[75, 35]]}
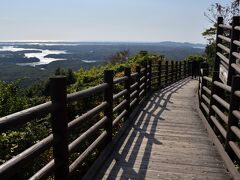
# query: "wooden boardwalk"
{"points": [[166, 141]]}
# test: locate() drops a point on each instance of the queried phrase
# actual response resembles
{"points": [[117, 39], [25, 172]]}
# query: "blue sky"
{"points": [[104, 20]]}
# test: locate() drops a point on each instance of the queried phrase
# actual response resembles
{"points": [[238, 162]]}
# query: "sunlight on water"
{"points": [[89, 61], [41, 55], [15, 49]]}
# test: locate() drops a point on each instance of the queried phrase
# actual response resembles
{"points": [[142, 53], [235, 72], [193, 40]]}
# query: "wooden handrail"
{"points": [[119, 80], [86, 93], [225, 26], [21, 117]]}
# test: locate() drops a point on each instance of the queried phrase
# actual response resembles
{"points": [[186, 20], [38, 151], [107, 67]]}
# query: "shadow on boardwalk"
{"points": [[137, 153], [143, 121]]}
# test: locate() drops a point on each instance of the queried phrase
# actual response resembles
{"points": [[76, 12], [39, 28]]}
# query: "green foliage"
{"points": [[71, 79], [12, 98], [38, 89], [227, 11], [210, 52], [93, 76], [119, 57], [210, 34], [196, 58]]}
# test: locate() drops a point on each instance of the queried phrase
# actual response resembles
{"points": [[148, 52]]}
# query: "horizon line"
{"points": [[114, 41]]}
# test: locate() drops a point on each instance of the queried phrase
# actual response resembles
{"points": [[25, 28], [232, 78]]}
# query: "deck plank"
{"points": [[167, 140]]}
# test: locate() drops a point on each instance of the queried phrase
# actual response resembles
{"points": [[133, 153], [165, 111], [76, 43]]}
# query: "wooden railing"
{"points": [[137, 85], [219, 95]]}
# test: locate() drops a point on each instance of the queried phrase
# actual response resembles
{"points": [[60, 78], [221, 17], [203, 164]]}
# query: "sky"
{"points": [[104, 20]]}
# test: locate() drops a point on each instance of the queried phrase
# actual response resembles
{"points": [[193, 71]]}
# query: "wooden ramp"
{"points": [[166, 141]]}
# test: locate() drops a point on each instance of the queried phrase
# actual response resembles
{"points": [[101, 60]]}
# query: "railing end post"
{"points": [[150, 75], [127, 72], [108, 97], [138, 70], [159, 73]]}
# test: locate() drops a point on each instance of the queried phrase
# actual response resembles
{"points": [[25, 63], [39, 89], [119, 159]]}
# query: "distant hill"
{"points": [[181, 44]]}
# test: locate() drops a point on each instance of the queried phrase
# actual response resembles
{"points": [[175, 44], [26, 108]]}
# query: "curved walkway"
{"points": [[166, 141]]}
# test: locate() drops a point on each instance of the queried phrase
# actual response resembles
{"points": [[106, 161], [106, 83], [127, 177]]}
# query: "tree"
{"points": [[227, 12], [120, 57], [196, 58], [59, 71], [71, 79]]}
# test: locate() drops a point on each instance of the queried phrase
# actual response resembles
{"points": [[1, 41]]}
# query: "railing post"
{"points": [[177, 69], [214, 90], [166, 73], [172, 72], [204, 65], [233, 48], [204, 71], [218, 40], [200, 79], [127, 72], [150, 75], [212, 100], [175, 72], [180, 70], [59, 122], [185, 69], [146, 77], [232, 120], [189, 68], [159, 73], [192, 63], [108, 97], [138, 77], [203, 83]]}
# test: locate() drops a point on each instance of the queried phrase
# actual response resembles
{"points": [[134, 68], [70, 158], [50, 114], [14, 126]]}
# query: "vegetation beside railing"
{"points": [[75, 138], [219, 95]]}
